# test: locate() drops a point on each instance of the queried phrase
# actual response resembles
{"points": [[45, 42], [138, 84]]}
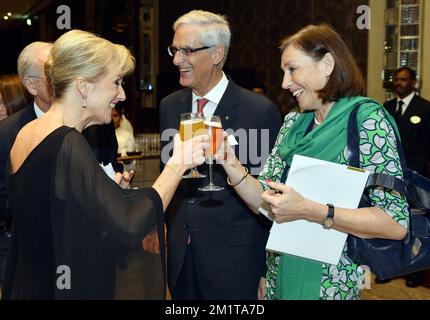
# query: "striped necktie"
{"points": [[200, 105]]}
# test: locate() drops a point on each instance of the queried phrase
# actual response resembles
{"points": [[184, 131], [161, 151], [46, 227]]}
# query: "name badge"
{"points": [[415, 119]]}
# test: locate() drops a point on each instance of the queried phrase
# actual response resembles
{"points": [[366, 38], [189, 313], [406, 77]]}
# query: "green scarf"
{"points": [[300, 278]]}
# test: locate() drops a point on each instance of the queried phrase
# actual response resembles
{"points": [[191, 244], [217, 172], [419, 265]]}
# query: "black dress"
{"points": [[66, 212]]}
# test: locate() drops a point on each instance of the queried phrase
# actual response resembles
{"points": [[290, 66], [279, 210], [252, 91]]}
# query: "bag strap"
{"points": [[353, 145]]}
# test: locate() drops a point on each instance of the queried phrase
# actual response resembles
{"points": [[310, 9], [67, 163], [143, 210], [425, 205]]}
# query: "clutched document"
{"points": [[324, 182], [108, 169]]}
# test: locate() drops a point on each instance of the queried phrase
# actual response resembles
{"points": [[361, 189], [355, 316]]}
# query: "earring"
{"points": [[84, 101]]}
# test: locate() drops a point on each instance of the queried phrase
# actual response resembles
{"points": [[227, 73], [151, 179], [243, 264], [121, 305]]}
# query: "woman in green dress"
{"points": [[322, 75]]}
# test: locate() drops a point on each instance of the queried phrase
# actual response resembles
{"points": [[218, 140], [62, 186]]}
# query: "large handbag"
{"points": [[392, 258]]}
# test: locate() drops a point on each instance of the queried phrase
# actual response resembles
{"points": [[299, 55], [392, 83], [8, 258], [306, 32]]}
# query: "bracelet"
{"points": [[245, 174], [174, 170]]}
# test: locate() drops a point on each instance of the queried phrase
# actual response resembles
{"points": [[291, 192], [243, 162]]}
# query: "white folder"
{"points": [[324, 182]]}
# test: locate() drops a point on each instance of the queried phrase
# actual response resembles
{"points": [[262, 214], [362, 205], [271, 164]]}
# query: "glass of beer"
{"points": [[214, 129], [191, 126]]}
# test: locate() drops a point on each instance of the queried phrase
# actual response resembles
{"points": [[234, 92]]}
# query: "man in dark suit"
{"points": [[412, 114], [216, 245], [31, 72]]}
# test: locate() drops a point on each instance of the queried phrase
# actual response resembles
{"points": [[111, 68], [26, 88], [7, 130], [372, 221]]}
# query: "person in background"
{"points": [[13, 96], [125, 138], [31, 74], [216, 246], [259, 88], [324, 78], [125, 123], [412, 114], [3, 111], [63, 204], [103, 142]]}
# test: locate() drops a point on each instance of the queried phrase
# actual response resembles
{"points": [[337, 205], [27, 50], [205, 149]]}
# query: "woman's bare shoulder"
{"points": [[28, 138]]}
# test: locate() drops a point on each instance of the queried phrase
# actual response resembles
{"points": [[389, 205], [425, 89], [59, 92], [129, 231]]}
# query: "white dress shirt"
{"points": [[37, 110], [406, 101], [214, 96]]}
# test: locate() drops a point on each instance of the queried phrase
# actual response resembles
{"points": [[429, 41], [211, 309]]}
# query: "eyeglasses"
{"points": [[184, 51], [36, 77]]}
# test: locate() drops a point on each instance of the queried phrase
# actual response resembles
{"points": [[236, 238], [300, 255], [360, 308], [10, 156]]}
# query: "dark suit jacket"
{"points": [[102, 140], [415, 136], [228, 240], [9, 129]]}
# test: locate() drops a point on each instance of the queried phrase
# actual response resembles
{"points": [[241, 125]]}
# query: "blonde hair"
{"points": [[79, 53]]}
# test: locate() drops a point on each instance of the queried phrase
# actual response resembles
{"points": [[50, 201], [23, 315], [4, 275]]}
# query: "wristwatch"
{"points": [[329, 219]]}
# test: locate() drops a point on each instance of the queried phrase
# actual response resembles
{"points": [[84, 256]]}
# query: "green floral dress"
{"points": [[378, 153]]}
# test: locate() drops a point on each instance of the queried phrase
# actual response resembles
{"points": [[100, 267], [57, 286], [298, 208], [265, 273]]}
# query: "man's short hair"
{"points": [[28, 57], [217, 29], [412, 72]]}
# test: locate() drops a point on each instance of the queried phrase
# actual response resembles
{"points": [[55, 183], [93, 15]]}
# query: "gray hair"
{"points": [[217, 29], [29, 56]]}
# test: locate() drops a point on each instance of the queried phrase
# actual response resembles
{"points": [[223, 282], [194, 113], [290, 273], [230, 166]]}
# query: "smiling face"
{"points": [[304, 77], [103, 95], [198, 71]]}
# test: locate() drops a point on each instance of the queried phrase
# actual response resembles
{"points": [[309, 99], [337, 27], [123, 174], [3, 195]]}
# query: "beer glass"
{"points": [[191, 126], [214, 129]]}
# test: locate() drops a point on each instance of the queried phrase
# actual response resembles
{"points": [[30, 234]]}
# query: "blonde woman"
{"points": [[67, 212]]}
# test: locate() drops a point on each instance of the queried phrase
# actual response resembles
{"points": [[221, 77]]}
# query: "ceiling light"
{"points": [[5, 17], [9, 14], [29, 21]]}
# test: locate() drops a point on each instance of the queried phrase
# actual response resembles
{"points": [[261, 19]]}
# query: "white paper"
{"points": [[109, 170], [324, 182], [264, 209]]}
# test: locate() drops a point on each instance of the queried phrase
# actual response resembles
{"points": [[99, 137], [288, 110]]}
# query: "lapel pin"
{"points": [[415, 119], [226, 117]]}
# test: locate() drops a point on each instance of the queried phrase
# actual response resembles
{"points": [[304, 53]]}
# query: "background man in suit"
{"points": [[412, 114], [31, 72], [216, 246]]}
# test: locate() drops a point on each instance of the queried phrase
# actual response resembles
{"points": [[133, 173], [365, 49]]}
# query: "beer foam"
{"points": [[213, 124], [190, 121]]}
